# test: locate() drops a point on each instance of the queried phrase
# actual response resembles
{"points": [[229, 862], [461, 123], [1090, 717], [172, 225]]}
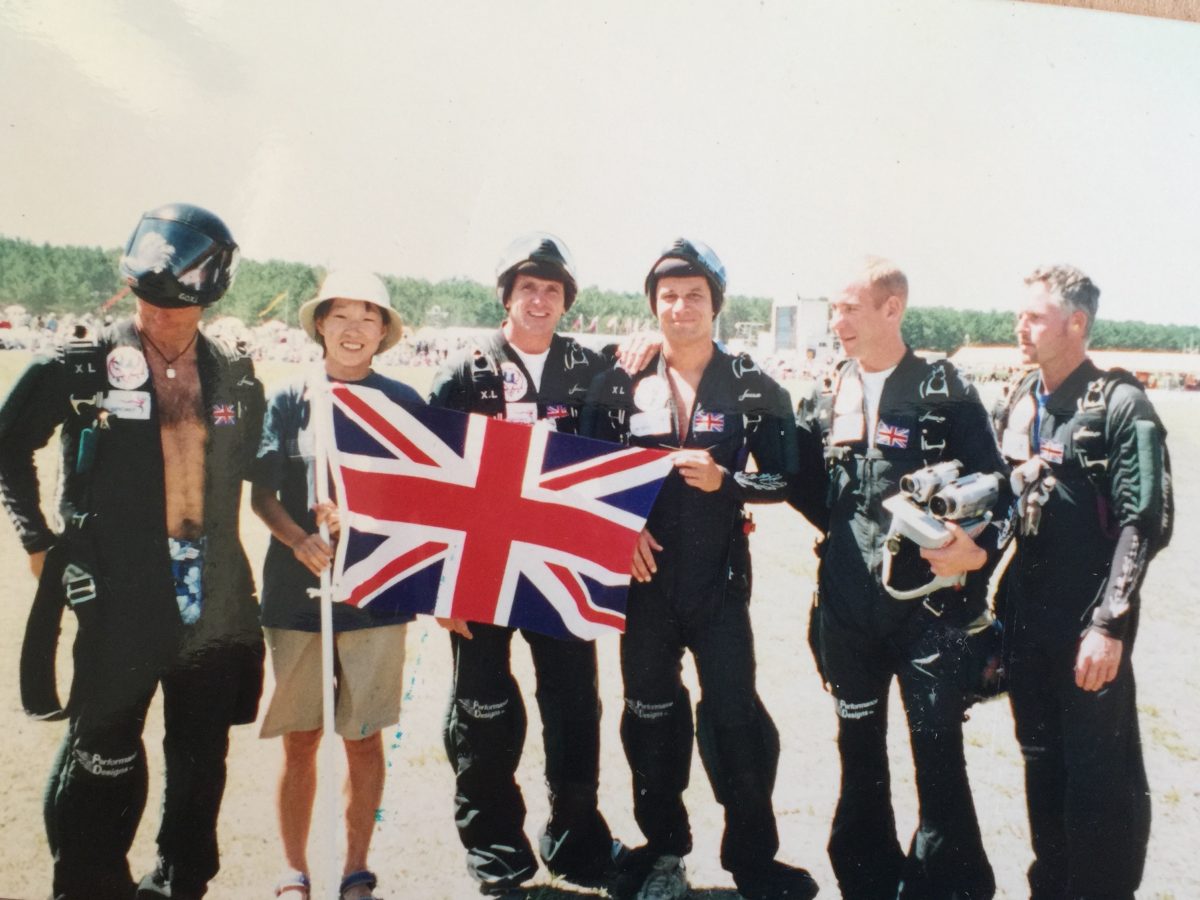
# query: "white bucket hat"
{"points": [[354, 285]]}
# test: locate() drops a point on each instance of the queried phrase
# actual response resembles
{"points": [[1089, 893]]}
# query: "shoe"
{"points": [[154, 884], [667, 880], [159, 885], [361, 879], [600, 874], [632, 866], [295, 884], [776, 881], [500, 868], [504, 889]]}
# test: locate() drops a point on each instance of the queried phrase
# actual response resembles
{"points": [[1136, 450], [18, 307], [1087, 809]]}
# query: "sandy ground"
{"points": [[416, 852]]}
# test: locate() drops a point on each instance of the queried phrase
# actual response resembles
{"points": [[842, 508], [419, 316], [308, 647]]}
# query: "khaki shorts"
{"points": [[368, 666]]}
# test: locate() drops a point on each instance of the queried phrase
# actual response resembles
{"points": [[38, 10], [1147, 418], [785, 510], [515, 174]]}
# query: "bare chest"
{"points": [[180, 401], [184, 437], [683, 393]]}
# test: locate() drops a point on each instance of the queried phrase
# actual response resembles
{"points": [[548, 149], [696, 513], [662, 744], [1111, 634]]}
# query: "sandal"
{"points": [[355, 879], [296, 882]]}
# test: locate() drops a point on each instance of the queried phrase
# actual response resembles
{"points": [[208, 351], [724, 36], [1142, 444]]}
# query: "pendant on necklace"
{"points": [[170, 371]]}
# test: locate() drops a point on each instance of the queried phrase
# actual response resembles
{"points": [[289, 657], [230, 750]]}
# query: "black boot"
{"points": [[776, 881]]}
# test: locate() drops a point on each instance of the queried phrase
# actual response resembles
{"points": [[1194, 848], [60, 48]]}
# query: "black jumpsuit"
{"points": [[1088, 800], [863, 638], [485, 723], [130, 637], [698, 600]]}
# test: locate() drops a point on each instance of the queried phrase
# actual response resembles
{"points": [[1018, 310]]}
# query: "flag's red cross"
{"points": [[223, 414], [491, 514], [1051, 451], [891, 436]]}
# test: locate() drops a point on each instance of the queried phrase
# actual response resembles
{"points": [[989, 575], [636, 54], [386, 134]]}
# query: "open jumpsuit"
{"points": [[698, 600], [131, 637]]}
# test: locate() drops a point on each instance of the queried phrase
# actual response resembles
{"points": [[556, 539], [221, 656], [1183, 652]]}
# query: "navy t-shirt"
{"points": [[285, 466]]}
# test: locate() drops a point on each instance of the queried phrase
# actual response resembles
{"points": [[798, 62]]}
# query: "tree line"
{"points": [[46, 278], [54, 279], [946, 330]]}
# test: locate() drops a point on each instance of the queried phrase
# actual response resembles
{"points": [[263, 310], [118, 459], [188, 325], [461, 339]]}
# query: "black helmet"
{"points": [[684, 257], [541, 255], [180, 255]]}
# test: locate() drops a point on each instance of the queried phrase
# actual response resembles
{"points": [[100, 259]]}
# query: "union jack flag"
{"points": [[224, 414], [1051, 451], [891, 436], [485, 520], [708, 421]]}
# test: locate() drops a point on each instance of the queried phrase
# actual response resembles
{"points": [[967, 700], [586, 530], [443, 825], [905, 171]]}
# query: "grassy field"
{"points": [[416, 852]]}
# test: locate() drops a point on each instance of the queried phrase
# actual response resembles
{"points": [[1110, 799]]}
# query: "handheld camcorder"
{"points": [[929, 498]]}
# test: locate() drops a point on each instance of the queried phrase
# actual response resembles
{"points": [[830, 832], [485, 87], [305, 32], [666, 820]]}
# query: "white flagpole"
{"points": [[320, 410]]}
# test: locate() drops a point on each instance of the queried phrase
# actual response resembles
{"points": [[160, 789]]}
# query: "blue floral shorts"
{"points": [[187, 568]]}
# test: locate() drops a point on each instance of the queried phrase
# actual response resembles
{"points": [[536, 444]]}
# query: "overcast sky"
{"points": [[967, 140]]}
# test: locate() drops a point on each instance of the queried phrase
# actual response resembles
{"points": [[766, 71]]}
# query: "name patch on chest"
{"points": [[656, 421], [525, 413], [128, 404]]}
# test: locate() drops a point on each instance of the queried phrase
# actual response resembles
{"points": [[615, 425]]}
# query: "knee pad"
{"points": [[104, 757], [495, 728]]}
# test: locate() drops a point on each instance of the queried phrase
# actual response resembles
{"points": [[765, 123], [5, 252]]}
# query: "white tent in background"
{"points": [[1148, 365]]}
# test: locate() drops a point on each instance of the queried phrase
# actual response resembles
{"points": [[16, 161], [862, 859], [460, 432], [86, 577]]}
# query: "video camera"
{"points": [[929, 498]]}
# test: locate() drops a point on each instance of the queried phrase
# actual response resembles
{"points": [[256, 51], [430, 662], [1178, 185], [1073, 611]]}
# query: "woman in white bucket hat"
{"points": [[353, 320]]}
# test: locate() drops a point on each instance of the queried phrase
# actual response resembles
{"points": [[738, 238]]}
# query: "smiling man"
{"points": [[892, 414], [1091, 458], [527, 373], [691, 590]]}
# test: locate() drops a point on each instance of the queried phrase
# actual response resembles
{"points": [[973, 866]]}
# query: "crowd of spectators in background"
{"points": [[273, 341]]}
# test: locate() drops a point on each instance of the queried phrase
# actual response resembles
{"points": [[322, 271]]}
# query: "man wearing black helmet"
{"points": [[525, 372], [159, 426], [691, 588]]}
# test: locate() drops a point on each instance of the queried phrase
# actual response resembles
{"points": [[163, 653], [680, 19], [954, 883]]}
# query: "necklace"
{"points": [[170, 362]]}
